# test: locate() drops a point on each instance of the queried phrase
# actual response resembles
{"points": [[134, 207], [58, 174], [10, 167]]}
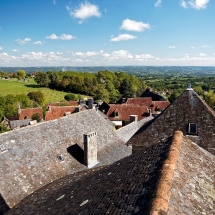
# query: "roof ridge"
{"points": [[160, 203]]}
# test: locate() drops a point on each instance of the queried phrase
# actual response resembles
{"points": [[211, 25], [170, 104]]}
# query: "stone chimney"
{"points": [[189, 87], [150, 111], [90, 149], [133, 118], [90, 103]]}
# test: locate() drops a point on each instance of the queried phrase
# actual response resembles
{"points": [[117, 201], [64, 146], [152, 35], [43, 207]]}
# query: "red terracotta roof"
{"points": [[122, 112], [139, 101], [27, 113], [55, 112]]}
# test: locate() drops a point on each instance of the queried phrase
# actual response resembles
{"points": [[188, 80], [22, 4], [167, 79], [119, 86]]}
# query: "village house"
{"points": [[119, 114]]}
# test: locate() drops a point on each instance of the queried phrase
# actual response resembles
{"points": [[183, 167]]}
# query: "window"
{"points": [[116, 114], [192, 129]]}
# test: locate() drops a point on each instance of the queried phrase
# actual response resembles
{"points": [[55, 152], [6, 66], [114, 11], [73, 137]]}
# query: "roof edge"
{"points": [[160, 203]]}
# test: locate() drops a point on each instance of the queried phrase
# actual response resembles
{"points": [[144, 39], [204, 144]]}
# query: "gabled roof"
{"points": [[187, 108], [29, 156], [55, 112], [19, 123], [122, 112], [155, 97], [139, 101], [29, 112], [166, 178]]}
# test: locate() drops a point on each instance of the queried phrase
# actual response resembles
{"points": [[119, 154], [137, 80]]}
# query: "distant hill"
{"points": [[136, 70]]}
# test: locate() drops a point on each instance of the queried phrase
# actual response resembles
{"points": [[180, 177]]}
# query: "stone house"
{"points": [[189, 114]]}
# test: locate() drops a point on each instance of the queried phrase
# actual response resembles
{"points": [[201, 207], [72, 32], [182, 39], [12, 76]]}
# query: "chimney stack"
{"points": [[133, 118], [90, 149], [90, 103]]}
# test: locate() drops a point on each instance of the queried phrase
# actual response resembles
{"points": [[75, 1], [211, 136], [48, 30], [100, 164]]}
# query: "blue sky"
{"points": [[107, 32]]}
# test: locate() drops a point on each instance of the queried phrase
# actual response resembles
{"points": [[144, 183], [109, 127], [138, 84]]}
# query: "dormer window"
{"points": [[192, 129]]}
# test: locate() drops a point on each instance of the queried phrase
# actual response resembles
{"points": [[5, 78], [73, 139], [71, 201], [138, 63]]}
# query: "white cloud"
{"points": [[1, 48], [85, 11], [158, 3], [122, 37], [183, 4], [197, 4], [202, 54], [171, 47], [38, 43], [131, 25], [206, 46], [15, 50], [144, 57], [61, 37], [86, 54], [117, 55], [24, 41]]}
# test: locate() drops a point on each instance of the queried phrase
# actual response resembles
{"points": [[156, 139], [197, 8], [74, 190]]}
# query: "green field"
{"points": [[13, 86]]}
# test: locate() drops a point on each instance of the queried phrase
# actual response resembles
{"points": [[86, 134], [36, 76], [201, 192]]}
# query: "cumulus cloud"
{"points": [[183, 4], [38, 43], [131, 25], [24, 41], [85, 11], [171, 47], [122, 37], [15, 50], [202, 54], [61, 37], [158, 3], [1, 48], [197, 4], [87, 54]]}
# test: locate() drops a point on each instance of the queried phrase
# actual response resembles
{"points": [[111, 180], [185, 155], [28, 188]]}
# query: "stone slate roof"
{"points": [[126, 132], [174, 176], [19, 123], [193, 186], [29, 112], [125, 187], [155, 97], [29, 156], [187, 108]]}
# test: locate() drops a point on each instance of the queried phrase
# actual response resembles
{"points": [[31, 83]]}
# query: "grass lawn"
{"points": [[12, 86]]}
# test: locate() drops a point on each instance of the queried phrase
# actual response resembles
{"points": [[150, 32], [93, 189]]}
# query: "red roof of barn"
{"points": [[29, 112], [55, 112]]}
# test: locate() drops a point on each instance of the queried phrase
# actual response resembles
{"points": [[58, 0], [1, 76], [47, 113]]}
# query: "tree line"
{"points": [[104, 85]]}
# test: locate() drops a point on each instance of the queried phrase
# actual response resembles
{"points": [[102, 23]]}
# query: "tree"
{"points": [[21, 74], [36, 116], [38, 97], [70, 97], [126, 89], [42, 79]]}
